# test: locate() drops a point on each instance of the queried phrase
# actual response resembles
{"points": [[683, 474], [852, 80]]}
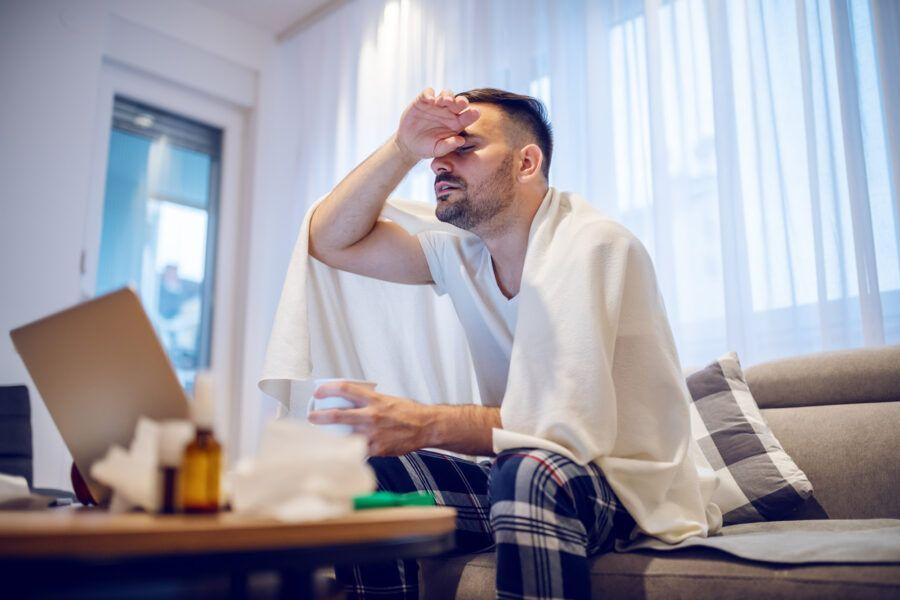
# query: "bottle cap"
{"points": [[204, 408]]}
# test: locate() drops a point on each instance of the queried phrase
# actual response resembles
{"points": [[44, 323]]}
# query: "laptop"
{"points": [[99, 366]]}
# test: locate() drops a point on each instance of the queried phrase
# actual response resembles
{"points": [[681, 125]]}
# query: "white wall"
{"points": [[51, 53]]}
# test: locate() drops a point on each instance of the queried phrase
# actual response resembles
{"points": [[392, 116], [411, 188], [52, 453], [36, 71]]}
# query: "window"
{"points": [[159, 225], [732, 162]]}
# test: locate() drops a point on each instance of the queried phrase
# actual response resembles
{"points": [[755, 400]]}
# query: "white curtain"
{"points": [[751, 145]]}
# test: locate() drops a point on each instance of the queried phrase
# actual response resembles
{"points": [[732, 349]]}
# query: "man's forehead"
{"points": [[488, 124]]}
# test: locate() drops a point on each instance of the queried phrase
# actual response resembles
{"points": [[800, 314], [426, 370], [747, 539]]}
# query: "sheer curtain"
{"points": [[751, 145]]}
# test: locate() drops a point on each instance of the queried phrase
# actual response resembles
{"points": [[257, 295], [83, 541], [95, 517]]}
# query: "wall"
{"points": [[51, 54]]}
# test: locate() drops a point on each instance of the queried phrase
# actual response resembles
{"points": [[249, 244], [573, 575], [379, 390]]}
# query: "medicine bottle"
{"points": [[174, 436], [202, 466]]}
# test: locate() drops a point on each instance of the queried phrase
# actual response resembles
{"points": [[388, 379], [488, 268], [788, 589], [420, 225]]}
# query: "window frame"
{"points": [[191, 135], [230, 242]]}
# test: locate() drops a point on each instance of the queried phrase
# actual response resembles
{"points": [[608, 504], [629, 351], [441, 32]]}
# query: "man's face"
{"points": [[476, 181]]}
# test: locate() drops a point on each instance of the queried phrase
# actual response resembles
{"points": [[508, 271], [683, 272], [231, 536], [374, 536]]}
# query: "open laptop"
{"points": [[99, 366]]}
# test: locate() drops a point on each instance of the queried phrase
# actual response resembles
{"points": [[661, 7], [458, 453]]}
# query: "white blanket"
{"points": [[594, 373], [330, 323], [796, 542]]}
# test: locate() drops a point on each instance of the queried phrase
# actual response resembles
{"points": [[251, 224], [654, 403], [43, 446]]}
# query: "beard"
{"points": [[470, 208]]}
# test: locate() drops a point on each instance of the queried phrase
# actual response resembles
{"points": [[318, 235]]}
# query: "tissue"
{"points": [[133, 474], [302, 473]]}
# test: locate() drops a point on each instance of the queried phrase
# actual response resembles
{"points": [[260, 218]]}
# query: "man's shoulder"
{"points": [[591, 231], [585, 219], [452, 246], [604, 229], [593, 238], [440, 237]]}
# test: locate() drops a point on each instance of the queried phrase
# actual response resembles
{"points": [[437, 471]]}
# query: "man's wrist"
{"points": [[467, 429], [409, 159], [432, 427]]}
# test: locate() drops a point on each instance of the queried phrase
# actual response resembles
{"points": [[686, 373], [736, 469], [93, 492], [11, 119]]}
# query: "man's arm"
{"points": [[465, 429], [396, 425], [345, 232]]}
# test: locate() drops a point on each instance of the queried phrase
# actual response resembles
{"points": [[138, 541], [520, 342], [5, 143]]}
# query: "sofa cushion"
{"points": [[841, 377], [683, 574], [757, 479], [851, 454]]}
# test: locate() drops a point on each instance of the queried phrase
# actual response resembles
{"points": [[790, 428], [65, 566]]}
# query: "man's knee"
{"points": [[526, 474]]}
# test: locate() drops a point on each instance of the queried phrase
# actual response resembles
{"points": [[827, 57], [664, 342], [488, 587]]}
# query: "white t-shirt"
{"points": [[463, 268]]}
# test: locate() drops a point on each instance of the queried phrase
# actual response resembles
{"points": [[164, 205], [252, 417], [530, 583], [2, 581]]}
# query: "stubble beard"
{"points": [[471, 209]]}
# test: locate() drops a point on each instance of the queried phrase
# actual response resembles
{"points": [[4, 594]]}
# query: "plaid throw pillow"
{"points": [[758, 481]]}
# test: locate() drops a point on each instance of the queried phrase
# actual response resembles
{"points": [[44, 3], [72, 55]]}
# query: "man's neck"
{"points": [[507, 239]]}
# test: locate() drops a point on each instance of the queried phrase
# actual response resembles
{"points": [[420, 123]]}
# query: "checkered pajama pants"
{"points": [[544, 514]]}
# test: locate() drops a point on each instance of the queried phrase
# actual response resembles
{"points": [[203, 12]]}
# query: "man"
{"points": [[490, 151]]}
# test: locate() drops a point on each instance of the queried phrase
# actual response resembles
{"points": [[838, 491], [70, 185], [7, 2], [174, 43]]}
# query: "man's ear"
{"points": [[531, 159]]}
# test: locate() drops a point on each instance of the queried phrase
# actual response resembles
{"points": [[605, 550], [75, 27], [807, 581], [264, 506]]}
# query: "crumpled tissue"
{"points": [[302, 473], [133, 474]]}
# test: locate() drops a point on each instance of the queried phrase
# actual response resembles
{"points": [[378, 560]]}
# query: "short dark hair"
{"points": [[525, 111]]}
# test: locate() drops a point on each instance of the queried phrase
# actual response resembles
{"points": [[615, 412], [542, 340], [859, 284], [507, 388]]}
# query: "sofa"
{"points": [[837, 414]]}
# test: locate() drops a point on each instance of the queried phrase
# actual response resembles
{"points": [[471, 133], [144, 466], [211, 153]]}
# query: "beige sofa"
{"points": [[838, 415]]}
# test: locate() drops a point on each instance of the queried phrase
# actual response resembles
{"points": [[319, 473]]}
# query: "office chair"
{"points": [[16, 450]]}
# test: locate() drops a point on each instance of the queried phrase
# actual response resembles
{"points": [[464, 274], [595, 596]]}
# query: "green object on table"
{"points": [[383, 499]]}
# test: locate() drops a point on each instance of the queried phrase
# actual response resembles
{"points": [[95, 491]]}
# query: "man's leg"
{"points": [[549, 515], [454, 482]]}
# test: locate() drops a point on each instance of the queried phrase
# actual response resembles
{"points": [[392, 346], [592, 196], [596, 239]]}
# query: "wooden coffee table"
{"points": [[71, 548]]}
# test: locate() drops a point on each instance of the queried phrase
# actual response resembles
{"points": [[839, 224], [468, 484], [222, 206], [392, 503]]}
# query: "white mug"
{"points": [[334, 402]]}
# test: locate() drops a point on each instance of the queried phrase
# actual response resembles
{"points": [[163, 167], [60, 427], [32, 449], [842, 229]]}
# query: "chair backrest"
{"points": [[15, 432]]}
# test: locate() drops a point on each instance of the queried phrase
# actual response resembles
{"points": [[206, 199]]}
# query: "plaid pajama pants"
{"points": [[543, 513]]}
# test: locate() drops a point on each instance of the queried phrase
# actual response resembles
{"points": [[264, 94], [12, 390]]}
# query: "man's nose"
{"points": [[441, 165]]}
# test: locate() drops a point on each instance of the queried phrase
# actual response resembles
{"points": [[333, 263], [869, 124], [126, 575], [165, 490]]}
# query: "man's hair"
{"points": [[526, 113]]}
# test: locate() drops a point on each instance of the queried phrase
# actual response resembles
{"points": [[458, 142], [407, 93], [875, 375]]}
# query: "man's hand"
{"points": [[429, 127], [398, 426], [393, 425]]}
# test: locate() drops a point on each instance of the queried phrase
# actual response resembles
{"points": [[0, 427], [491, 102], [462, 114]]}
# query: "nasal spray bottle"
{"points": [[202, 467]]}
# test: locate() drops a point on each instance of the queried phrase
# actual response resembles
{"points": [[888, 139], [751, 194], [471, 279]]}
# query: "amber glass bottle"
{"points": [[201, 471]]}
